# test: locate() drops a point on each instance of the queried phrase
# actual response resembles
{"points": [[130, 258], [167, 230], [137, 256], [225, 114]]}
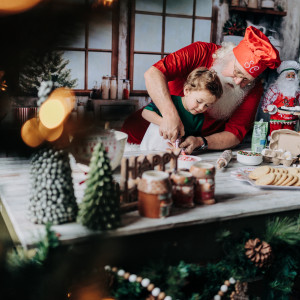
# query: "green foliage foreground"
{"points": [[34, 275]]}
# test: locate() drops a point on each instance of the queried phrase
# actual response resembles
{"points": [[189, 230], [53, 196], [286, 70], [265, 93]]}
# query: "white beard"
{"points": [[287, 87], [232, 96]]}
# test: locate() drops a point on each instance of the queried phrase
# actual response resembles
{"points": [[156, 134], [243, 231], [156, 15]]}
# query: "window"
{"points": [[159, 27], [95, 52]]}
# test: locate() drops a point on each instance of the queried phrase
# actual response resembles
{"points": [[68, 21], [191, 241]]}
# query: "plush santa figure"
{"points": [[284, 95]]}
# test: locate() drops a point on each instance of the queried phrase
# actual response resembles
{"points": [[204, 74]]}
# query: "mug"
{"points": [[154, 194], [205, 182]]}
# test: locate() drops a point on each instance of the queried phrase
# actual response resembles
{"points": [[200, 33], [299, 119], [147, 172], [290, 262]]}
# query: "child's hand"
{"points": [[189, 144]]}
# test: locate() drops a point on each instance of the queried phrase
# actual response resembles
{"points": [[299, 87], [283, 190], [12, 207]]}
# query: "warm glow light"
{"points": [[52, 113], [30, 133], [16, 6], [51, 135], [57, 108]]}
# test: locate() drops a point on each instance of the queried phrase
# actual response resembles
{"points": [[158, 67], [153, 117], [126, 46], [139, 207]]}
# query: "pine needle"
{"points": [[282, 230]]}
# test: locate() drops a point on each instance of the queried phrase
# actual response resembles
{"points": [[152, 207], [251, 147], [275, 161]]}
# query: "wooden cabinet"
{"points": [[262, 11]]}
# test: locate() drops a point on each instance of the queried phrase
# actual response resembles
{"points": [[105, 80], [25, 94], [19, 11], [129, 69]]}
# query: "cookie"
{"points": [[293, 170], [293, 181], [288, 179], [282, 179], [265, 179], [260, 171], [277, 178]]}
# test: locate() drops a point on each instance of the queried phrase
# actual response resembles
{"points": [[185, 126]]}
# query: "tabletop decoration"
{"points": [[224, 159], [100, 207], [132, 169], [52, 194]]}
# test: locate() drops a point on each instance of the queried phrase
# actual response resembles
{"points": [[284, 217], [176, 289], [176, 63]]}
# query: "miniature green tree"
{"points": [[50, 67], [52, 194], [100, 208]]}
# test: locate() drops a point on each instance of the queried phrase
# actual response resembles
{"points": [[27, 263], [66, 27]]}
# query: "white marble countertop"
{"points": [[235, 199]]}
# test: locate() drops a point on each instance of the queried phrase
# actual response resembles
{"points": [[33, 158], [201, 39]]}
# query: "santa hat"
{"points": [[255, 52], [288, 65]]}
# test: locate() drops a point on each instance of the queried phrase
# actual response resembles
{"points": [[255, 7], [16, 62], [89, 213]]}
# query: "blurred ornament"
{"points": [[16, 6]]}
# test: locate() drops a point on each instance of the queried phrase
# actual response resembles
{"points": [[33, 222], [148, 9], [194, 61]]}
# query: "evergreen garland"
{"points": [[50, 67], [100, 207], [235, 26]]}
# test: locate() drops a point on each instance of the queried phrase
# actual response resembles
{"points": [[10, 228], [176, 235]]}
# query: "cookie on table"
{"points": [[265, 179], [293, 181], [288, 179], [282, 179], [293, 170], [260, 171]]}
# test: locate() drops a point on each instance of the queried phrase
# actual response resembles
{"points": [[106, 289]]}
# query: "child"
{"points": [[201, 90]]}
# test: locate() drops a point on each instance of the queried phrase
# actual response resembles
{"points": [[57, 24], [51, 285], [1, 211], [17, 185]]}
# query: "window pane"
{"points": [[100, 31], [203, 8], [99, 65], [202, 30], [148, 30], [142, 62], [180, 7], [79, 37], [152, 6], [178, 33], [76, 64]]}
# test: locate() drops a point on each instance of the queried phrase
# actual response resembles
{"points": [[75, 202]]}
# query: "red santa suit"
{"points": [[176, 67], [281, 120]]}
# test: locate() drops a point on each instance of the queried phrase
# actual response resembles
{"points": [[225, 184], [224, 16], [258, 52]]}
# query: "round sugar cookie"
{"points": [[260, 171], [277, 178], [265, 179], [288, 179], [293, 181], [293, 170], [282, 179]]}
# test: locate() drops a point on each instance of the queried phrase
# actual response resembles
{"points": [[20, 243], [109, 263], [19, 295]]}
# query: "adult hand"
{"points": [[189, 144], [171, 128]]}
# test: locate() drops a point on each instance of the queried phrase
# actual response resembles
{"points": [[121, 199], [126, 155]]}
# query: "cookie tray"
{"points": [[242, 174]]}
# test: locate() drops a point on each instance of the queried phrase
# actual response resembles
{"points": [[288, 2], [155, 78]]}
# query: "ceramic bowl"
{"points": [[249, 158], [114, 143], [186, 161]]}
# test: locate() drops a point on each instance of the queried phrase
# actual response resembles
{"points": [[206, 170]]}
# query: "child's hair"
{"points": [[204, 79]]}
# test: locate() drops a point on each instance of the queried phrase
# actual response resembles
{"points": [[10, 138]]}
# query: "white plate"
{"points": [[242, 174]]}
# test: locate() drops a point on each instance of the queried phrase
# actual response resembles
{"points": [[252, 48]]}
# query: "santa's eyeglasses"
{"points": [[237, 73]]}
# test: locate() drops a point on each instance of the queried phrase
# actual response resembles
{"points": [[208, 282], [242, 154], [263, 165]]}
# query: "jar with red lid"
{"points": [[182, 189]]}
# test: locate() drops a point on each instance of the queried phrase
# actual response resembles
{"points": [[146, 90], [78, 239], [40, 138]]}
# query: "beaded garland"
{"points": [[224, 288], [145, 282]]}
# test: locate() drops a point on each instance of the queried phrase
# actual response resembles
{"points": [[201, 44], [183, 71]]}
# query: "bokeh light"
{"points": [[30, 133], [16, 6]]}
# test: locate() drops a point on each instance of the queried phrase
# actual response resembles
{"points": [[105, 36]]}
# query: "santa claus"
{"points": [[282, 98]]}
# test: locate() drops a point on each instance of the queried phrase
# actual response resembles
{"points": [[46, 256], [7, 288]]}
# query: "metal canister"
{"points": [[205, 182], [154, 194], [183, 189]]}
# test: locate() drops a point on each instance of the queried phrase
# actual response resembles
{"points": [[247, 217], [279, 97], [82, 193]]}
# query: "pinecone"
{"points": [[259, 252], [52, 193]]}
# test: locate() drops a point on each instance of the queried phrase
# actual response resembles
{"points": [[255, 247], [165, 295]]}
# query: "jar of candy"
{"points": [[183, 189], [105, 87], [126, 89], [205, 182], [113, 87], [154, 194]]}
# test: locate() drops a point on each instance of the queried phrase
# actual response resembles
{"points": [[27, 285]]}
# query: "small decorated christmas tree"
{"points": [[100, 208], [52, 193], [51, 67]]}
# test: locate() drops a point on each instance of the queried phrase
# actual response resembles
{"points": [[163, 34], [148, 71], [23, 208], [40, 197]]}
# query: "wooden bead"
{"points": [[220, 293], [139, 279], [161, 296], [126, 275], [226, 282], [150, 287]]}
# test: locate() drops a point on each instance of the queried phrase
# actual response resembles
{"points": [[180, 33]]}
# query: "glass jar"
{"points": [[113, 87], [105, 87], [126, 89], [154, 194], [205, 182], [183, 189]]}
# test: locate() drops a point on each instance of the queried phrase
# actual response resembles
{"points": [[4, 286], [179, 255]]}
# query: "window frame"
{"points": [[162, 53], [115, 8]]}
